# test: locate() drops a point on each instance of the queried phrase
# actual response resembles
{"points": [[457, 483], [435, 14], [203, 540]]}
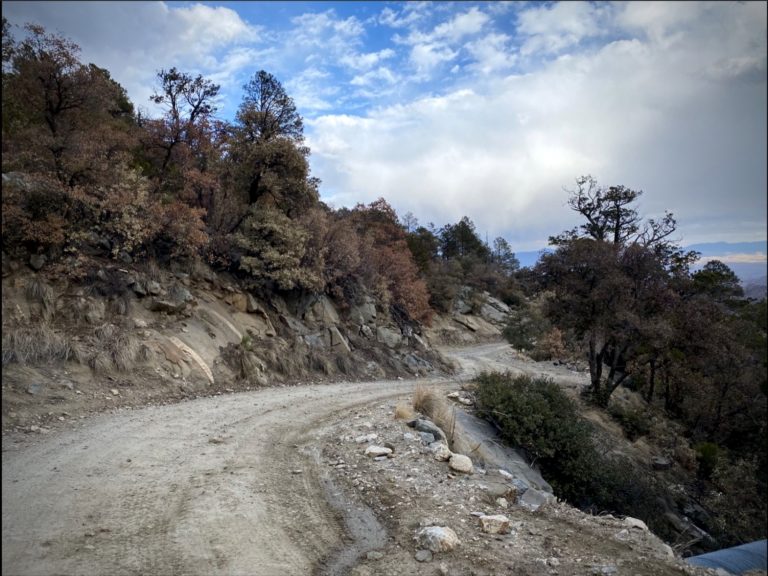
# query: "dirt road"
{"points": [[220, 485]]}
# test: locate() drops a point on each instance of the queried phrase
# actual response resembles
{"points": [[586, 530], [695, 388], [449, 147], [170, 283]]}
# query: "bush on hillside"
{"points": [[534, 414]]}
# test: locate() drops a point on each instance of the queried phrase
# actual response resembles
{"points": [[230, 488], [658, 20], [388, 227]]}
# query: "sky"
{"points": [[484, 109]]}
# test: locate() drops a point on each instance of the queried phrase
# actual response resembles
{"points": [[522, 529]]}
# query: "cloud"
{"points": [[311, 89], [426, 57], [412, 13], [461, 25], [134, 40], [753, 258], [366, 60], [492, 53], [552, 28], [381, 74], [629, 111]]}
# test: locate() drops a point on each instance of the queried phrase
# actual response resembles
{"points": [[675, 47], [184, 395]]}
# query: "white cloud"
{"points": [[646, 112], [381, 74], [552, 28], [426, 57], [411, 13], [461, 25], [492, 53], [311, 89], [134, 40], [738, 258], [367, 60]]}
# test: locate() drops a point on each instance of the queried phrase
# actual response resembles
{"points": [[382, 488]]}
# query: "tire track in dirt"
{"points": [[200, 487]]}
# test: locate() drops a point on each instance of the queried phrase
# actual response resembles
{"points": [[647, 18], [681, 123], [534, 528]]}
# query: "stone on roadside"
{"points": [[635, 523], [440, 451], [502, 503], [423, 425], [495, 524], [461, 463], [423, 556], [366, 438], [375, 451], [427, 438], [438, 538]]}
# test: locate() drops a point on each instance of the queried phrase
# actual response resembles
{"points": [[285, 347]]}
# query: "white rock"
{"points": [[438, 538], [453, 395], [366, 438], [496, 524], [635, 523], [375, 451], [506, 474], [440, 451], [461, 463], [502, 503]]}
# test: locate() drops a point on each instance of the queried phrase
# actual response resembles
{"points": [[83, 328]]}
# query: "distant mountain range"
{"points": [[746, 259]]}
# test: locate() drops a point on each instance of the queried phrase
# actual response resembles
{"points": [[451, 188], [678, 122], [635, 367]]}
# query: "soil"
{"points": [[272, 482]]}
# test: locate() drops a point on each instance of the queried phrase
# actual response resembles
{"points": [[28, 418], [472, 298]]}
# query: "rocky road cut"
{"points": [[218, 485]]}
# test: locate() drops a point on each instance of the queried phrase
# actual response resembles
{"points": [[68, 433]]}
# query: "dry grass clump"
{"points": [[116, 349], [426, 400], [41, 293], [431, 403], [404, 412], [39, 343]]}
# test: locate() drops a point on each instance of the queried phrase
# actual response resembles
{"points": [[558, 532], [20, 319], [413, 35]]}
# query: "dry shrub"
{"points": [[39, 292], [37, 344], [430, 402], [319, 363], [404, 412], [115, 348], [152, 271], [100, 361], [551, 346], [425, 400]]}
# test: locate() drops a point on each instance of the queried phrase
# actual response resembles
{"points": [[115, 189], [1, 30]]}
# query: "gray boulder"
{"points": [[437, 539], [422, 425]]}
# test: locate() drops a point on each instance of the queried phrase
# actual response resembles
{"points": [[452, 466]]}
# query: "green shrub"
{"points": [[707, 454], [524, 328], [536, 415], [635, 423]]}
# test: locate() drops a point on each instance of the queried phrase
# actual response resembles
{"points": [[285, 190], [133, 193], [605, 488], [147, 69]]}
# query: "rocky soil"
{"points": [[277, 481]]}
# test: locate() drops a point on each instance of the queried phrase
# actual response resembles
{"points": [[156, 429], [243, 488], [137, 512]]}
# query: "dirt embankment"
{"points": [[268, 482]]}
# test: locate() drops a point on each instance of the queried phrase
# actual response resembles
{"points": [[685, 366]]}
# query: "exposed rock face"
{"points": [[364, 313], [388, 337], [471, 434], [496, 524], [322, 312], [337, 341], [37, 261], [438, 539], [239, 302], [157, 305]]}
